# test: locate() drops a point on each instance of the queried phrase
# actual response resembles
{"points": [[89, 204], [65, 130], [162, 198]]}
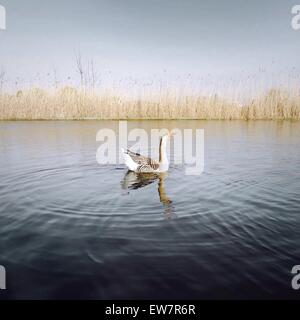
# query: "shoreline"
{"points": [[86, 120]]}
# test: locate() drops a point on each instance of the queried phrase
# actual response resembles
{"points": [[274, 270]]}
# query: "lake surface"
{"points": [[71, 228]]}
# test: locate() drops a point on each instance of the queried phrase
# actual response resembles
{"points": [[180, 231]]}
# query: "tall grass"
{"points": [[70, 103]]}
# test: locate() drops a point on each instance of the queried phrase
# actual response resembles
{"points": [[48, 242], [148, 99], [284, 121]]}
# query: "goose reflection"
{"points": [[134, 181]]}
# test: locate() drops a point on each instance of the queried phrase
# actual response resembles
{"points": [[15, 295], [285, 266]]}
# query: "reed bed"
{"points": [[73, 104]]}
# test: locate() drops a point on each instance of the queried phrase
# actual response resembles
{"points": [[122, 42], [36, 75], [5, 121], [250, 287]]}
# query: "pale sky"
{"points": [[170, 39]]}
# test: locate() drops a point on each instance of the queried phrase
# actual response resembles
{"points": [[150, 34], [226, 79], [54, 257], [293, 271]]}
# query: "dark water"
{"points": [[70, 228]]}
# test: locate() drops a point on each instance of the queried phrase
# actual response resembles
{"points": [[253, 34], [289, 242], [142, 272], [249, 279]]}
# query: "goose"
{"points": [[138, 163]]}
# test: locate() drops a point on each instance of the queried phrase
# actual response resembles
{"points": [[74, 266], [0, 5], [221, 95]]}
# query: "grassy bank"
{"points": [[71, 104]]}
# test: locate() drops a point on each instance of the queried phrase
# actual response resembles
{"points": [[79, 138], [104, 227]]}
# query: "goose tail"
{"points": [[130, 164]]}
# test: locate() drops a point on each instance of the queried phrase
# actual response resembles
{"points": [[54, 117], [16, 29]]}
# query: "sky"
{"points": [[208, 41]]}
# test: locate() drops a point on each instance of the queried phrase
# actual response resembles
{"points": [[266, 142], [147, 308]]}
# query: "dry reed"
{"points": [[72, 104]]}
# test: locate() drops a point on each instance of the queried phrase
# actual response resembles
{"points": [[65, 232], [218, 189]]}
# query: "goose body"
{"points": [[138, 163]]}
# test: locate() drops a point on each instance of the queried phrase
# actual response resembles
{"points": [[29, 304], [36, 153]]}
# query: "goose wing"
{"points": [[144, 163]]}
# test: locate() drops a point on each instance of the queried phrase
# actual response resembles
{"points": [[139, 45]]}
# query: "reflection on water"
{"points": [[133, 181], [69, 230]]}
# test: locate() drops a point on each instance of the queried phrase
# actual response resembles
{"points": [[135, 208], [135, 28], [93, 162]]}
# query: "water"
{"points": [[70, 228]]}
